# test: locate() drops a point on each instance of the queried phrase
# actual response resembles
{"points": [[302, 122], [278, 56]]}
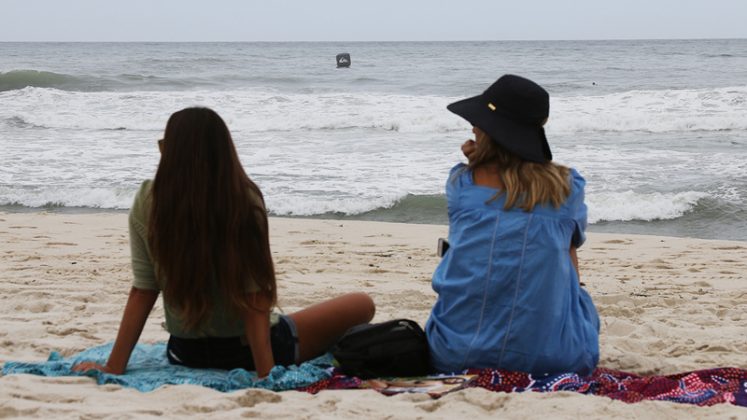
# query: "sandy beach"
{"points": [[667, 305]]}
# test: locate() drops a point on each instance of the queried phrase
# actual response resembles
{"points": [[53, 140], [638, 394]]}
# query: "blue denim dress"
{"points": [[508, 294]]}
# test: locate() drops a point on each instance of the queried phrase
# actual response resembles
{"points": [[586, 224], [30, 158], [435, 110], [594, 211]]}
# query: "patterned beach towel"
{"points": [[149, 368], [702, 388]]}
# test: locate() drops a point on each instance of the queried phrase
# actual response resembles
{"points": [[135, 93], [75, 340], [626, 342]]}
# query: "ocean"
{"points": [[658, 128]]}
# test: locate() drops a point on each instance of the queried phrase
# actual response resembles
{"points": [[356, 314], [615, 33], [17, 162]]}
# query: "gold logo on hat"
{"points": [[491, 106]]}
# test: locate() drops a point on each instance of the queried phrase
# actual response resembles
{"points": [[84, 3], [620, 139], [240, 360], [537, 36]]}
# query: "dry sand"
{"points": [[667, 305]]}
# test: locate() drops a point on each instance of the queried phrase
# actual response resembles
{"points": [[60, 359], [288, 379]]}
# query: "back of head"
{"points": [[525, 183], [510, 115], [208, 226], [512, 111]]}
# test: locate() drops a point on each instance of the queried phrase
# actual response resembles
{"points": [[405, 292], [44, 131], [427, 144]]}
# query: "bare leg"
{"points": [[320, 326]]}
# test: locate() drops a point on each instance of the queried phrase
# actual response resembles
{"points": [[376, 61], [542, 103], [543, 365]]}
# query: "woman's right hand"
{"points": [[86, 366], [468, 148]]}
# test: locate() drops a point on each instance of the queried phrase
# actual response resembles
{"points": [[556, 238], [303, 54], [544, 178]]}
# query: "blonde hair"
{"points": [[525, 184]]}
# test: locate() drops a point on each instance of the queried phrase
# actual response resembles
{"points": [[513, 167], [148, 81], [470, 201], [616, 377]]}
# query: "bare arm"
{"points": [[139, 305], [257, 330]]}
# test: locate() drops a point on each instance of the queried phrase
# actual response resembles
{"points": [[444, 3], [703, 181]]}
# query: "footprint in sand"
{"points": [[39, 307], [253, 397], [65, 331], [619, 328]]}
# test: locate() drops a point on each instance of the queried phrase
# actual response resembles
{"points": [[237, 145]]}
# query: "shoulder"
{"points": [[576, 199], [578, 182], [142, 197], [456, 180], [457, 173], [255, 195], [139, 208], [459, 167]]}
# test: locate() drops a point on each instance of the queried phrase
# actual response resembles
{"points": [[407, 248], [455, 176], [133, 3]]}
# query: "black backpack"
{"points": [[392, 348]]}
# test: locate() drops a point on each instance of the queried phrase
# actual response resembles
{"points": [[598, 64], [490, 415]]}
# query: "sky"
{"points": [[368, 20]]}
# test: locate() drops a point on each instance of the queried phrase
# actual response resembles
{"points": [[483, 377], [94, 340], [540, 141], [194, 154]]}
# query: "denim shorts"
{"points": [[233, 352]]}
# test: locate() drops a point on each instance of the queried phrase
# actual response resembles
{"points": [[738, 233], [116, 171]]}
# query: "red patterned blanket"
{"points": [[703, 387]]}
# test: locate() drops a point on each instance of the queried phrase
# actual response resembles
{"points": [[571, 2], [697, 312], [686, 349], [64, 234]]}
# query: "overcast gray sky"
{"points": [[368, 20]]}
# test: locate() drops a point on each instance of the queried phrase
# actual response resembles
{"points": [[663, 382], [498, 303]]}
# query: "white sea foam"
{"points": [[351, 153], [629, 205], [288, 205], [247, 110], [265, 110], [58, 196], [606, 206], [655, 111]]}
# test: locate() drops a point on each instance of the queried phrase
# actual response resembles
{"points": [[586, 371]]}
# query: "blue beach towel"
{"points": [[149, 369]]}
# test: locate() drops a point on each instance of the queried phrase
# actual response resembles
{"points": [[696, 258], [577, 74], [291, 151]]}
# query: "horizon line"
{"points": [[369, 41]]}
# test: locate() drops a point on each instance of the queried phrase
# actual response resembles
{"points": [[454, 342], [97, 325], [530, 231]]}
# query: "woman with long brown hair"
{"points": [[199, 234], [508, 287]]}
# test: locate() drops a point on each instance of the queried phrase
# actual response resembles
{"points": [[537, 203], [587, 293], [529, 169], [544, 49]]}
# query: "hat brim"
{"points": [[527, 141]]}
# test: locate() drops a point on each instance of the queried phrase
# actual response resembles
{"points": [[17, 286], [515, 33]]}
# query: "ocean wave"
{"points": [[257, 110], [64, 196], [603, 207], [391, 207], [410, 208], [19, 122], [364, 79], [293, 205], [19, 79], [245, 110], [139, 81], [629, 205], [625, 206], [651, 111]]}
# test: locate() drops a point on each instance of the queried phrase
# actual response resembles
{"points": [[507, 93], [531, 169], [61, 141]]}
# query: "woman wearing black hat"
{"points": [[508, 288]]}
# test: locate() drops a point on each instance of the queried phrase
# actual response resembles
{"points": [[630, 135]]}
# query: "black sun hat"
{"points": [[512, 112]]}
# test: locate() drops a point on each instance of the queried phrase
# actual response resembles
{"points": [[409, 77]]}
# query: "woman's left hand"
{"points": [[468, 149], [86, 366]]}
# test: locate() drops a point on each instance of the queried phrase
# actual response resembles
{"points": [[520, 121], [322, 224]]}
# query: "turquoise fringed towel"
{"points": [[149, 369]]}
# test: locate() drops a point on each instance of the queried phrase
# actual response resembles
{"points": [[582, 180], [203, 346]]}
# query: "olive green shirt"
{"points": [[221, 324]]}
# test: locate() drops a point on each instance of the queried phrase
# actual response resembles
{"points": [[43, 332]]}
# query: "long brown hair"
{"points": [[207, 230], [525, 184]]}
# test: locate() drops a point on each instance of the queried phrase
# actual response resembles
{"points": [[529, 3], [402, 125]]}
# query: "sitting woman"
{"points": [[508, 287], [199, 234]]}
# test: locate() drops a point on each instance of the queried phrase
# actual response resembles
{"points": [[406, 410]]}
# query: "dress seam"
{"points": [[485, 291], [516, 292]]}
